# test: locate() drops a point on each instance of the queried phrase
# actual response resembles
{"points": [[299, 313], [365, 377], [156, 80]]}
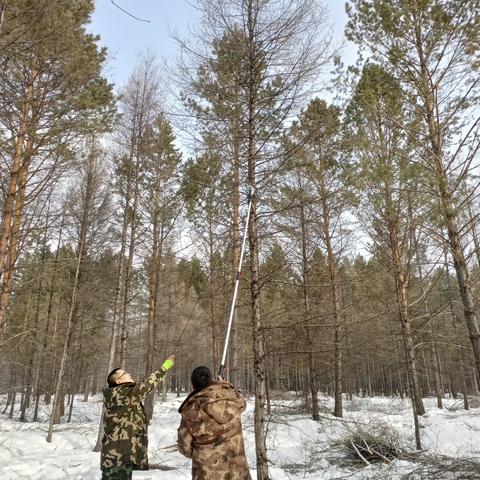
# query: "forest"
{"points": [[123, 209]]}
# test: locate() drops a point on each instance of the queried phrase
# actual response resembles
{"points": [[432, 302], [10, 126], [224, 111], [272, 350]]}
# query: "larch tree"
{"points": [[300, 215], [214, 95], [139, 105], [387, 177], [160, 207], [319, 136], [51, 76], [432, 49], [283, 50], [92, 199]]}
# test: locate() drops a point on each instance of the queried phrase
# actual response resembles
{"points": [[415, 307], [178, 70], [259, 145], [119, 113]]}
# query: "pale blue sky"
{"points": [[126, 38]]}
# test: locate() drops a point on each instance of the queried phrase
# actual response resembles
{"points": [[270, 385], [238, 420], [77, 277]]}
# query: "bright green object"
{"points": [[167, 364]]}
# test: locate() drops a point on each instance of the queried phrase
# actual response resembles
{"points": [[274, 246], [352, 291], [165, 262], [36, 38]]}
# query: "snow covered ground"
{"points": [[299, 448]]}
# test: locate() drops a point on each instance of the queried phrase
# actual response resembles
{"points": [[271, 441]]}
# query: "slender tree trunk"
{"points": [[9, 202], [152, 316], [119, 326], [53, 367], [14, 240], [461, 354], [12, 405], [337, 309], [258, 352], [234, 362], [418, 443], [14, 203], [9, 400], [26, 327], [436, 363], [410, 361], [313, 386], [402, 282], [311, 359], [466, 405], [154, 267], [465, 287], [115, 333], [473, 226], [125, 303], [129, 265], [213, 294], [401, 271], [433, 343], [260, 421]]}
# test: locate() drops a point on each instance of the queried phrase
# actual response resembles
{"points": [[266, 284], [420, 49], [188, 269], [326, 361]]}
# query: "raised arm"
{"points": [[142, 389]]}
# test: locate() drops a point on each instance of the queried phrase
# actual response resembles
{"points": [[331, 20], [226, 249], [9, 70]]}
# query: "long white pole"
{"points": [[237, 282]]}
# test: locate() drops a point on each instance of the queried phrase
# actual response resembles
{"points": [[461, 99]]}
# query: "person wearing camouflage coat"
{"points": [[210, 431], [125, 441]]}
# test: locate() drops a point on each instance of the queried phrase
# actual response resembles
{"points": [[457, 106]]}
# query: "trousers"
{"points": [[123, 472]]}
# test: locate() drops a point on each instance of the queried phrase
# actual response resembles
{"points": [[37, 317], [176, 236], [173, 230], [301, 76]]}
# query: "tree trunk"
{"points": [[14, 203], [337, 309], [466, 405], [436, 363], [433, 343], [213, 294], [476, 242], [234, 360], [260, 421], [313, 386], [408, 342], [125, 267], [311, 359], [153, 289]]}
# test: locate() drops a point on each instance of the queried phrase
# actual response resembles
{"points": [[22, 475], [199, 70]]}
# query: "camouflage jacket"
{"points": [[125, 439], [210, 433]]}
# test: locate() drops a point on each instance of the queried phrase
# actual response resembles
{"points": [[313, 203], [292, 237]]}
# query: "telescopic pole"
{"points": [[237, 281]]}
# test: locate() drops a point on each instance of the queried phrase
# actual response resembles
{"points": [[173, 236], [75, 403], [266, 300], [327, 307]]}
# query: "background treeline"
{"points": [[362, 267]]}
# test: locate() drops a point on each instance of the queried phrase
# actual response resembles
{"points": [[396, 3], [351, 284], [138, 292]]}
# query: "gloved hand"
{"points": [[168, 363]]}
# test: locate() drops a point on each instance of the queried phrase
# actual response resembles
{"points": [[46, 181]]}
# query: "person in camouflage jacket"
{"points": [[125, 441], [210, 431]]}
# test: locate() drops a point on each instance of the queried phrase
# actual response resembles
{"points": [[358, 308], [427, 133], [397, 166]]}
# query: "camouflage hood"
{"points": [[219, 402]]}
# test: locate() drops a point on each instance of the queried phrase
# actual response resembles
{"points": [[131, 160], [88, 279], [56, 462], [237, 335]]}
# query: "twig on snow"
{"points": [[359, 454]]}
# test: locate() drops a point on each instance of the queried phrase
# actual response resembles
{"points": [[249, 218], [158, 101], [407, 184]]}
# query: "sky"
{"points": [[126, 38]]}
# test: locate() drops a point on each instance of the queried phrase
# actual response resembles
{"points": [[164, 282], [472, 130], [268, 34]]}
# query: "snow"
{"points": [[299, 448]]}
